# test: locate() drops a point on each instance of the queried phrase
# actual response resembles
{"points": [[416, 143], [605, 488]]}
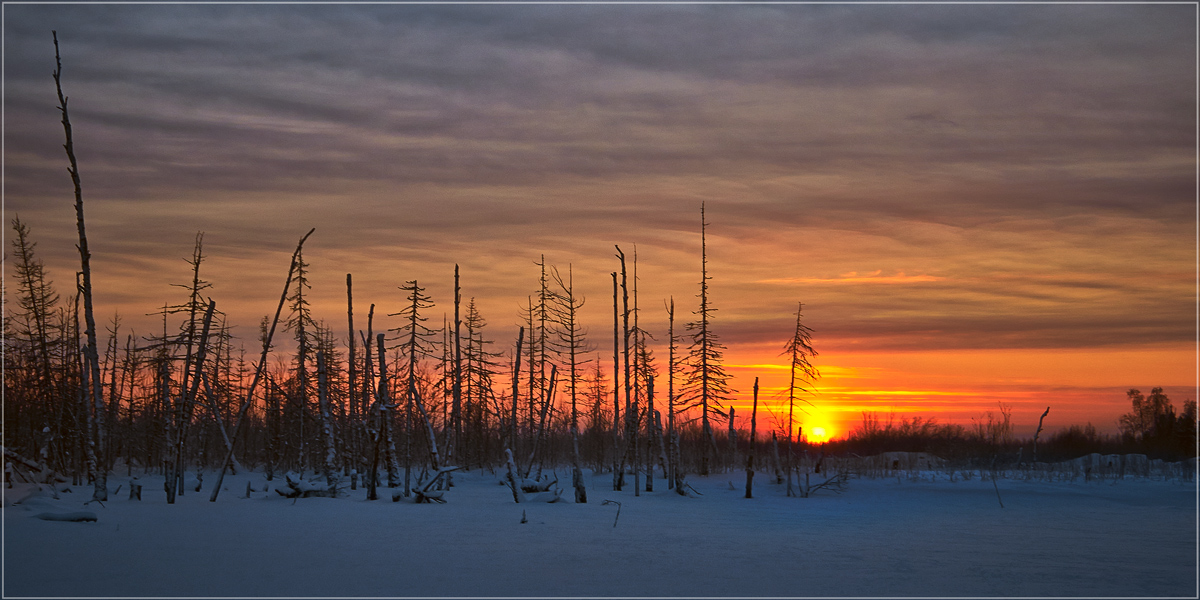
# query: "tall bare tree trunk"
{"points": [[618, 477], [631, 433], [383, 436], [512, 441], [94, 386], [674, 478], [542, 420], [650, 434], [705, 426], [457, 446], [330, 462], [354, 445], [753, 432]]}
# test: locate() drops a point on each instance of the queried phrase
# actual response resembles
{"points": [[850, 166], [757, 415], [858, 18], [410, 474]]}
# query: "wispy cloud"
{"points": [[920, 176], [853, 277]]}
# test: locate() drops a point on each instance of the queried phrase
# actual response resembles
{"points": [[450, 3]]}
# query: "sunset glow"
{"points": [[977, 204]]}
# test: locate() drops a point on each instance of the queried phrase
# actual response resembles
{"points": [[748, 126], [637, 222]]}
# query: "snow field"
{"points": [[880, 537]]}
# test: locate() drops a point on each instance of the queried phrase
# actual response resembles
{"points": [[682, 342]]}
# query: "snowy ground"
{"points": [[923, 536]]}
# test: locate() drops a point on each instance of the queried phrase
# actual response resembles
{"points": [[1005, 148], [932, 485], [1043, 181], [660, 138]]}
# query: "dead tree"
{"points": [[571, 338], [750, 455], [512, 440], [370, 387], [417, 346], [1038, 432], [378, 416], [541, 429], [456, 412], [330, 463], [618, 476], [731, 438], [775, 453], [353, 454], [675, 477], [706, 383], [188, 400], [261, 366], [800, 351], [91, 358], [643, 382]]}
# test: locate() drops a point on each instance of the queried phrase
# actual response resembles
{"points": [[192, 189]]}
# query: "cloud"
{"points": [[853, 277], [992, 175]]}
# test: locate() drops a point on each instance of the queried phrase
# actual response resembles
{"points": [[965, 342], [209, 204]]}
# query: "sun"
{"points": [[818, 434]]}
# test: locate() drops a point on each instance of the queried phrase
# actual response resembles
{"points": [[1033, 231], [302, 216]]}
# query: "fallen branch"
{"points": [[74, 517], [426, 495], [299, 488], [530, 486], [606, 503], [994, 457]]}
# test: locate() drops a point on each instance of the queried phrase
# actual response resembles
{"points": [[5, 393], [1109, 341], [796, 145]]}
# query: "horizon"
{"points": [[975, 204]]}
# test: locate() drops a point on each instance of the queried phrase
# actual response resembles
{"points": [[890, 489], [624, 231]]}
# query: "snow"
{"points": [[917, 535]]}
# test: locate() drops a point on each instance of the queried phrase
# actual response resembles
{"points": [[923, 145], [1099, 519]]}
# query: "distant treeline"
{"points": [[1152, 427]]}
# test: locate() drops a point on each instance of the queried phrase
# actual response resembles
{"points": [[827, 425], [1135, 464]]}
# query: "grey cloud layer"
{"points": [[954, 137]]}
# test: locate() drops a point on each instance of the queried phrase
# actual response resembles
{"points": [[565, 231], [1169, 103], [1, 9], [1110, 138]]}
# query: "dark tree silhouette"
{"points": [[799, 350], [92, 385], [705, 384]]}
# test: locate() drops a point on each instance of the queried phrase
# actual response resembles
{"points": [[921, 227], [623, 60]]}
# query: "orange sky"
{"points": [[975, 203], [962, 386]]}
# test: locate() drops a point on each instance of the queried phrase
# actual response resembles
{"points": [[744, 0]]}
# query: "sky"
{"points": [[977, 204]]}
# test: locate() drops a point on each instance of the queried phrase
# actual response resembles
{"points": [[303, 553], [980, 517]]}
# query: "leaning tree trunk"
{"points": [[380, 409], [187, 402], [260, 368], [94, 391], [542, 421], [433, 447], [512, 432]]}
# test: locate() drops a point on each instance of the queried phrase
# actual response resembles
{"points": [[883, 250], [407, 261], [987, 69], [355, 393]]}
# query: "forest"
{"points": [[398, 399]]}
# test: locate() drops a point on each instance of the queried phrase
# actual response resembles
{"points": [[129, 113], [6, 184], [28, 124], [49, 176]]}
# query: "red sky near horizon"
{"points": [[977, 204]]}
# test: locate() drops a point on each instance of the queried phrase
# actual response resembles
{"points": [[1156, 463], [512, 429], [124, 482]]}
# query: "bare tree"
{"points": [[512, 440], [753, 433], [1038, 433], [571, 339], [802, 375], [353, 454], [417, 346], [329, 465], [479, 394], [33, 393], [456, 411], [706, 384], [94, 390], [618, 476], [260, 368], [674, 477]]}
